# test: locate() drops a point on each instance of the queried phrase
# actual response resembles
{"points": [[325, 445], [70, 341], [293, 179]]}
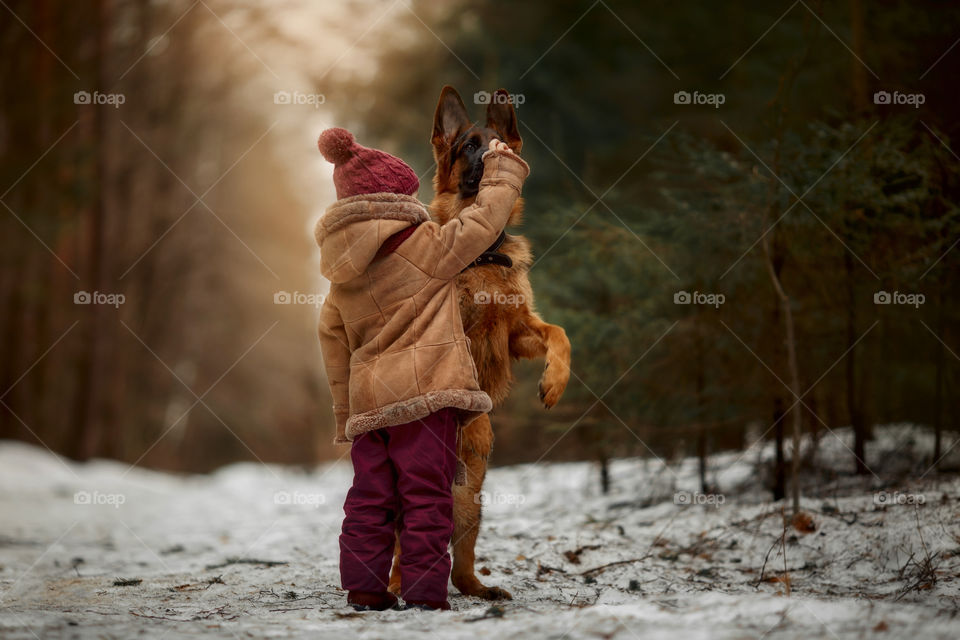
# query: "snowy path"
{"points": [[691, 571]]}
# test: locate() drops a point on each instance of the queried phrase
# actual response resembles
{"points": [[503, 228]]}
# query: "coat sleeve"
{"points": [[336, 360], [464, 238]]}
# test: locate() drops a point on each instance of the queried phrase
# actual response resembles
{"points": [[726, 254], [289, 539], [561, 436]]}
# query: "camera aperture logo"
{"points": [[112, 99], [485, 97], [911, 299], [899, 98], [487, 498], [712, 299], [95, 498], [886, 499], [686, 498], [98, 297], [496, 297], [711, 99], [286, 297], [299, 499], [299, 98]]}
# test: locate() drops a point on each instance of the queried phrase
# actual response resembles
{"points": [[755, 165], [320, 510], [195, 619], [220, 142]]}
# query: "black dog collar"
{"points": [[492, 256]]}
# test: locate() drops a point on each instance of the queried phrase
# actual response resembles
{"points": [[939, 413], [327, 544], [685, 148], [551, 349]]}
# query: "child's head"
{"points": [[359, 170]]}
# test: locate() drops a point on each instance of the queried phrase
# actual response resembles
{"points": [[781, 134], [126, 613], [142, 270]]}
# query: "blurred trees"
{"points": [[634, 199], [171, 199], [179, 200]]}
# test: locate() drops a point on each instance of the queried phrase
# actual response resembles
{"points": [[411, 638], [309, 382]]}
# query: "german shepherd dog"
{"points": [[496, 304]]}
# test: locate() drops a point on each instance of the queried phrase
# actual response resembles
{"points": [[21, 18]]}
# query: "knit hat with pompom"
{"points": [[358, 170]]}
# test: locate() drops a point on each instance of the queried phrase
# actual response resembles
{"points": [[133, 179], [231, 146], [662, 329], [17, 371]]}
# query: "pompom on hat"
{"points": [[360, 170]]}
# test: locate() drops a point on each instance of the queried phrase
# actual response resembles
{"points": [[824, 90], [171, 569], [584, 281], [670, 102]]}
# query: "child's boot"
{"points": [[427, 605], [372, 601]]}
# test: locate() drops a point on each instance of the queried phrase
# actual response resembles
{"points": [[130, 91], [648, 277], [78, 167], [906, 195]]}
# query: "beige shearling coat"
{"points": [[390, 329]]}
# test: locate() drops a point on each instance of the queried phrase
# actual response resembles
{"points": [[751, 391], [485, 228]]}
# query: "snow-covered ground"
{"points": [[631, 564]]}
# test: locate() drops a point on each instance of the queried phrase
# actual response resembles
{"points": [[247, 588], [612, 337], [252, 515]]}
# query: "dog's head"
{"points": [[459, 144]]}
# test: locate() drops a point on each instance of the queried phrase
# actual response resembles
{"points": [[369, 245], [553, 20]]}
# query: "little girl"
{"points": [[398, 362]]}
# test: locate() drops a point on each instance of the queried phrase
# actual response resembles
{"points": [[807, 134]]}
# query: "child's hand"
{"points": [[502, 147], [497, 145]]}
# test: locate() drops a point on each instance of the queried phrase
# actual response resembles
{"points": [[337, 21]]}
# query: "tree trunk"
{"points": [[938, 384], [604, 474], [861, 104], [773, 267], [780, 467], [46, 281], [701, 418], [794, 371], [861, 93], [13, 346], [853, 398], [88, 417]]}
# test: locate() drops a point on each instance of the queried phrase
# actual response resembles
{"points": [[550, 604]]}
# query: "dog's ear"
{"points": [[502, 118], [449, 120]]}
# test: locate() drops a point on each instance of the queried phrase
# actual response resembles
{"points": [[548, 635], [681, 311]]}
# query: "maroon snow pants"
{"points": [[403, 478]]}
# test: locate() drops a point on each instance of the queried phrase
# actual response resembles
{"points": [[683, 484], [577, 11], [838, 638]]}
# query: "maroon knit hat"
{"points": [[359, 170]]}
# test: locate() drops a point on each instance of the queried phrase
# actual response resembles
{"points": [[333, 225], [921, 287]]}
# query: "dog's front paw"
{"points": [[552, 385]]}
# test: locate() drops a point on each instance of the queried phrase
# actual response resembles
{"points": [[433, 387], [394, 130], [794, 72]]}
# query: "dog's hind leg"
{"points": [[394, 587], [463, 576], [467, 505]]}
